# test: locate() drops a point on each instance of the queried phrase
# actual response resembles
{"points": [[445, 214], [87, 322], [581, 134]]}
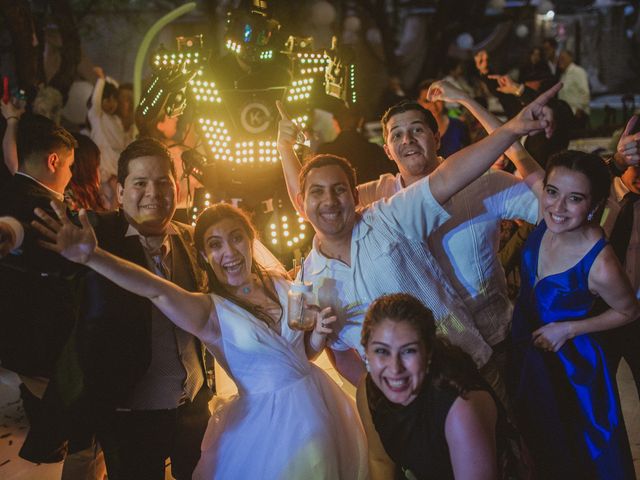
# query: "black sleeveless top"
{"points": [[414, 436]]}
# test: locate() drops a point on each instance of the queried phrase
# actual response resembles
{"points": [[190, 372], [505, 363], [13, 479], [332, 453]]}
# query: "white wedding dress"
{"points": [[289, 420]]}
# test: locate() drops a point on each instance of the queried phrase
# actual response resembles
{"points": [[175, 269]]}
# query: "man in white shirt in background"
{"points": [[575, 87]]}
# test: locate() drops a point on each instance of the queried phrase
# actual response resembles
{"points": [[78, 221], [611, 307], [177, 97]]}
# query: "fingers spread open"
{"points": [[46, 219]]}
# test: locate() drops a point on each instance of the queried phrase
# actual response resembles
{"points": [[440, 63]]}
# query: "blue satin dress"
{"points": [[566, 403]]}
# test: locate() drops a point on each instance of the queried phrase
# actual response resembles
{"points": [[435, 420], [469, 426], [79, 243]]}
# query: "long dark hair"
{"points": [[450, 366], [85, 182], [212, 215]]}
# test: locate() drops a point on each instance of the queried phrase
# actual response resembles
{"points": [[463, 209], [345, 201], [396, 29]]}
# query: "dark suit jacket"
{"points": [[108, 351], [113, 338], [38, 289]]}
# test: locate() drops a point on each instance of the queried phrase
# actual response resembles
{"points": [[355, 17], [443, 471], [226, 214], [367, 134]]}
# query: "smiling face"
{"points": [[228, 249], [328, 202], [411, 144], [148, 196], [397, 359], [566, 200]]}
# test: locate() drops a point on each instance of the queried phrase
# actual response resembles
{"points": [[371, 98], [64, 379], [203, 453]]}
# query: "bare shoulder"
{"points": [[478, 404]]}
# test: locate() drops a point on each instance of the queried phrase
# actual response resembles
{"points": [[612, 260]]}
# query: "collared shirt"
{"points": [[174, 373], [388, 255], [609, 217], [466, 244], [575, 88]]}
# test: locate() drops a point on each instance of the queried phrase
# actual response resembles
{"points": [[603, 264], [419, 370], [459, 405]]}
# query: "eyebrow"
{"points": [[235, 230], [323, 185], [420, 122], [401, 346], [570, 193]]}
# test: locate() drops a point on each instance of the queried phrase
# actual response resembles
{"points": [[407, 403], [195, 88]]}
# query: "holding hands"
{"points": [[74, 243], [322, 328], [552, 336]]}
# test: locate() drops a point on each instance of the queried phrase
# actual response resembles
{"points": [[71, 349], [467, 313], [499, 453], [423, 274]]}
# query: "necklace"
{"points": [[246, 290]]}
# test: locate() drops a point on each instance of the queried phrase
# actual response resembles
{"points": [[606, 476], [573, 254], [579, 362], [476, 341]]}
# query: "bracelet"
{"points": [[13, 116]]}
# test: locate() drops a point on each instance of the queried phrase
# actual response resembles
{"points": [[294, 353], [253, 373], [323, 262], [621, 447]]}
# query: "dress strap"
{"points": [[590, 257]]}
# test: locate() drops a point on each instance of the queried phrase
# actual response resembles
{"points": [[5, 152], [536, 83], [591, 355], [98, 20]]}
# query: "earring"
{"points": [[366, 364], [590, 216]]}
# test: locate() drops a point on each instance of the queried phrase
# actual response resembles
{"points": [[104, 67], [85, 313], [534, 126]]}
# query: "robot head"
{"points": [[250, 32]]}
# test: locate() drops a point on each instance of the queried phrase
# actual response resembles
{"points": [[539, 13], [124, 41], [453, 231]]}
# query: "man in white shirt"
{"points": [[466, 245], [575, 85], [364, 255]]}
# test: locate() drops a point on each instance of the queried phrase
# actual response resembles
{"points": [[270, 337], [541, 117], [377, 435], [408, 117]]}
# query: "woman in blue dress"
{"points": [[564, 397]]}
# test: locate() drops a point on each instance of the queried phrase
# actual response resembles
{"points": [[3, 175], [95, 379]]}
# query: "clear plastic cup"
{"points": [[299, 317]]}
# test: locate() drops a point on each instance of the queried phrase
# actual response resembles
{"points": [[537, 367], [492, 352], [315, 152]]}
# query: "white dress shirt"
{"points": [[466, 244], [388, 255], [575, 88]]}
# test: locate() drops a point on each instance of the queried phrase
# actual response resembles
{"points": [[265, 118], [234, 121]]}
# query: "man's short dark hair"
{"points": [[551, 41], [407, 106], [144, 147], [325, 160], [39, 136]]}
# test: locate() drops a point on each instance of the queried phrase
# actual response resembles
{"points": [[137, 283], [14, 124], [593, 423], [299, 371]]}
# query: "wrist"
{"points": [[12, 118], [617, 164], [317, 341], [519, 90]]}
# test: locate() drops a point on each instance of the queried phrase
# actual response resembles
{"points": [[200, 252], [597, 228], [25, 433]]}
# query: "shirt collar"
{"points": [[57, 195], [619, 188], [318, 262], [171, 230]]}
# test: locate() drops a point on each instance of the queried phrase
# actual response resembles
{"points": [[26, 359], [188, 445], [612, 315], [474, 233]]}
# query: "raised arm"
{"points": [[531, 171], [98, 89], [190, 311], [11, 114], [468, 164], [287, 134], [608, 279]]}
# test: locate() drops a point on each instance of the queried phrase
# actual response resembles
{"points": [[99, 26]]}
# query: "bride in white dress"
{"points": [[289, 419]]}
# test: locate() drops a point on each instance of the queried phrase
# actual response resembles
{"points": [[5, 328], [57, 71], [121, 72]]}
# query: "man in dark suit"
{"points": [[39, 292], [147, 376], [127, 372], [35, 286]]}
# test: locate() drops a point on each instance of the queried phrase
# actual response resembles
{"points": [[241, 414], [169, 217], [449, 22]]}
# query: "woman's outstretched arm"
{"points": [[190, 311]]}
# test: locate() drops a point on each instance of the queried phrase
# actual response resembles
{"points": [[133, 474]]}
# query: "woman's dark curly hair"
{"points": [[450, 367]]}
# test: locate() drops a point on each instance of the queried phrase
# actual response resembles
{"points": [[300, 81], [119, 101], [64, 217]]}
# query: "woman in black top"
{"points": [[427, 412]]}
